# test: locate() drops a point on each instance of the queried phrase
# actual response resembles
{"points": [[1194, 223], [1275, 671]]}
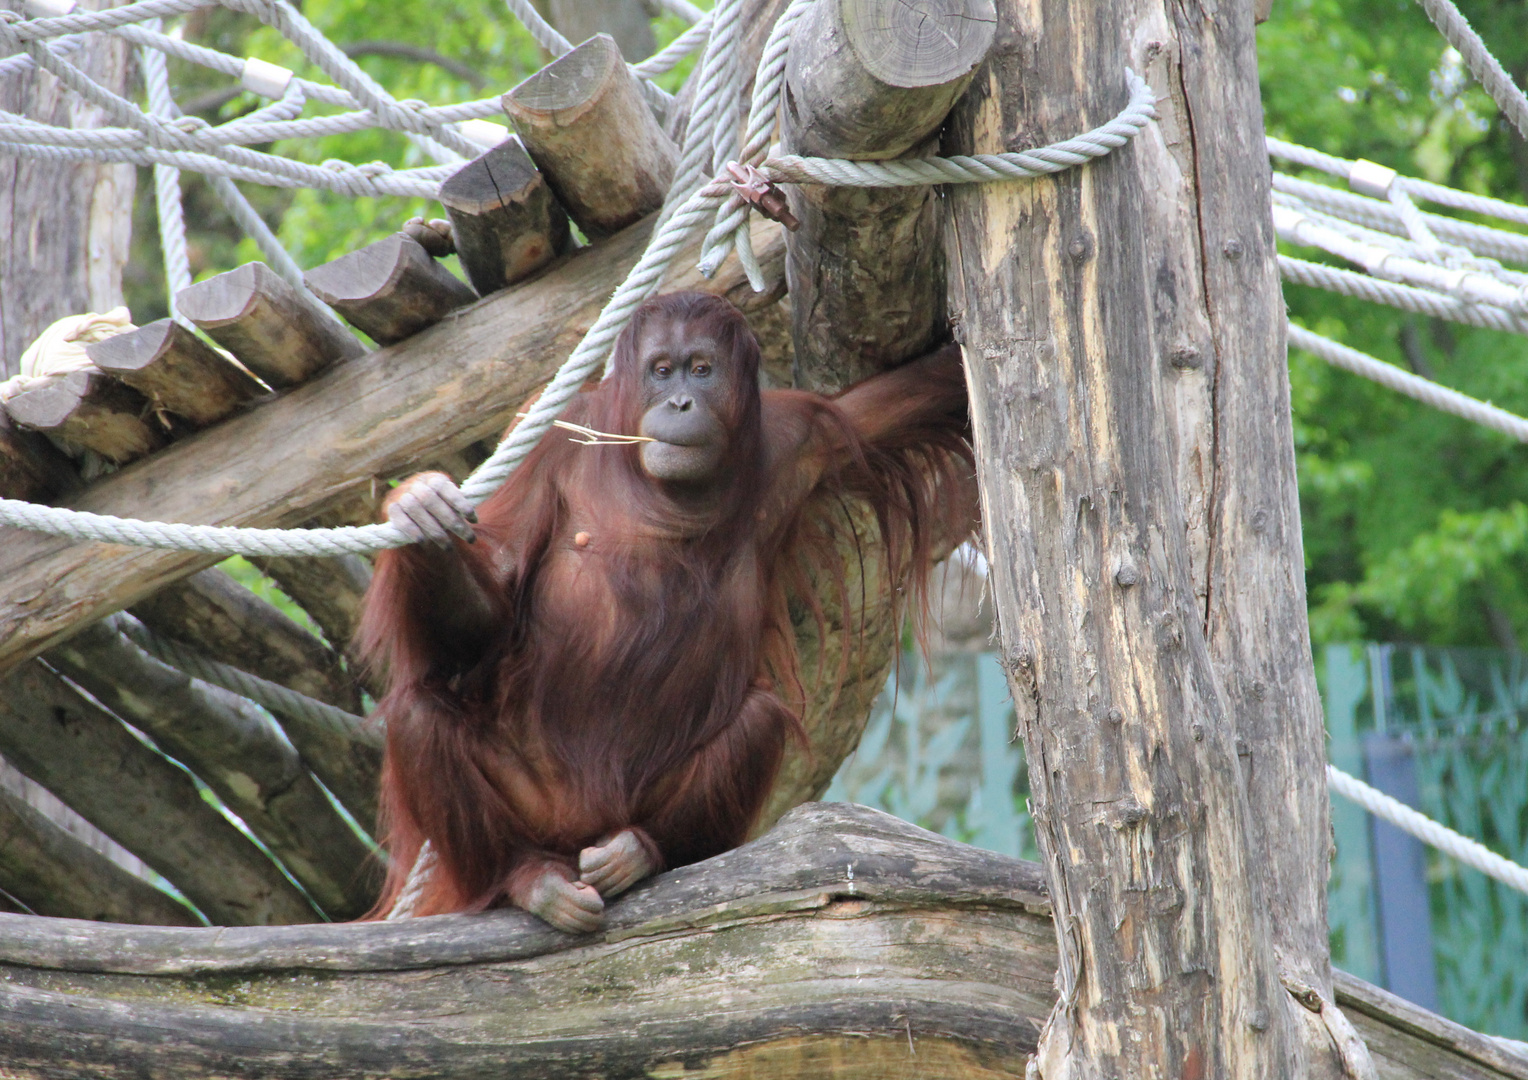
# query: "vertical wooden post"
{"points": [[1123, 337]]}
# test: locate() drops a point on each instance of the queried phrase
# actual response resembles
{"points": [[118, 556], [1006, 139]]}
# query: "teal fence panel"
{"points": [[940, 751]]}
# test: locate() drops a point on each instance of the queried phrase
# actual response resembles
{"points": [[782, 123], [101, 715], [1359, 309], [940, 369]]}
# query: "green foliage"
{"points": [[1414, 522]]}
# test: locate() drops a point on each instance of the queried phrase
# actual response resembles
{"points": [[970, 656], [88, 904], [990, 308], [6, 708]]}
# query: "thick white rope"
{"points": [[1485, 67], [167, 202], [1424, 828], [1422, 301], [264, 692], [1413, 386]]}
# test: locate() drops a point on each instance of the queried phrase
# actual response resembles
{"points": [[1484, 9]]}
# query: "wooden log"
{"points": [[221, 618], [238, 752], [31, 468], [871, 79], [389, 290], [52, 873], [176, 371], [86, 757], [1129, 733], [442, 390], [91, 411], [274, 330], [845, 945], [329, 590], [228, 622], [586, 125], [504, 220]]}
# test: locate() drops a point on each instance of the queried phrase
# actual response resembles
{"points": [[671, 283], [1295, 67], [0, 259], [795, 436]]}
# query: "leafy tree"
{"points": [[1415, 523]]}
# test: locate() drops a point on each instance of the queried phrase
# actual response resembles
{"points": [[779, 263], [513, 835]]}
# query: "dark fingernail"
{"points": [[472, 516]]}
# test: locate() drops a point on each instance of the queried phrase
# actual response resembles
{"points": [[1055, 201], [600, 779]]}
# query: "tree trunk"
{"points": [[64, 226], [1092, 307]]}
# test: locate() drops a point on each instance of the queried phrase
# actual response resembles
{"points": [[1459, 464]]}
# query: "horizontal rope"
{"points": [[1392, 294], [1413, 386], [1424, 828]]}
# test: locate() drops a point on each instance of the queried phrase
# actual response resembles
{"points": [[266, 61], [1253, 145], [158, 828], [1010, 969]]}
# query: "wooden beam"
{"points": [[389, 290], [586, 125], [52, 873], [277, 332], [237, 751], [86, 757], [845, 944], [90, 411], [629, 22], [374, 417], [505, 222], [329, 590], [871, 79], [175, 370]]}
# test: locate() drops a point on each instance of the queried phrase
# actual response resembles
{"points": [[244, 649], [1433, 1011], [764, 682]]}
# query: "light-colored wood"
{"points": [[845, 945], [52, 873], [50, 732], [31, 468], [65, 226], [1056, 288], [239, 753], [330, 440], [176, 371], [505, 222], [277, 332], [871, 79], [389, 290], [586, 125]]}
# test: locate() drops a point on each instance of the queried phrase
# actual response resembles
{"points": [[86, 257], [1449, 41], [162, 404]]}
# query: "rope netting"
{"points": [[1414, 260]]}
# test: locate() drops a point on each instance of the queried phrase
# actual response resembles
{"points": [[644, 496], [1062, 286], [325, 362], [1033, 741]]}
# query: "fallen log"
{"points": [[52, 873], [845, 943], [83, 755], [332, 438]]}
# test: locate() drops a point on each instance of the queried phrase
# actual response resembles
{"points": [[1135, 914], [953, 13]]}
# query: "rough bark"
{"points": [[332, 439], [90, 411], [846, 944], [1167, 961], [276, 331], [504, 220], [52, 873], [239, 753], [389, 290], [871, 79], [586, 125], [31, 468], [86, 757], [64, 226], [176, 371]]}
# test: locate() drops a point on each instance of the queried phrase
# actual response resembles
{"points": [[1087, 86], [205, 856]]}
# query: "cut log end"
{"points": [[177, 371], [391, 289], [504, 220], [568, 84], [915, 45]]}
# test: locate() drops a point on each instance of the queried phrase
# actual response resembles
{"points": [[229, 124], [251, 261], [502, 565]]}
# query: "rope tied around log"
{"points": [[702, 190]]}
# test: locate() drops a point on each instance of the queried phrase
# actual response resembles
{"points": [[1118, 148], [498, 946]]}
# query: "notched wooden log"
{"points": [[92, 411], [871, 79], [53, 873], [176, 371], [274, 330], [504, 219], [50, 732], [31, 468], [389, 290], [586, 125]]}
